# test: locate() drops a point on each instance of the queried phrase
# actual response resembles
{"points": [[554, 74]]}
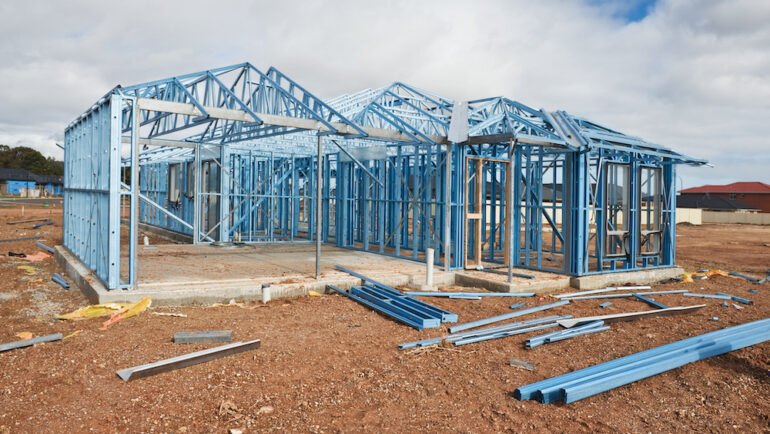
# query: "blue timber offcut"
{"points": [[241, 154]]}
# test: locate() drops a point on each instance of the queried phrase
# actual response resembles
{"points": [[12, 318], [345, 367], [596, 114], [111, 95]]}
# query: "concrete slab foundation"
{"points": [[163, 233], [189, 274], [543, 282], [631, 277], [175, 274]]}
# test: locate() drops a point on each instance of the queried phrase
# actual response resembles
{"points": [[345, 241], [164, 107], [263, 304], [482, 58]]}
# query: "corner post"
{"points": [[318, 208]]}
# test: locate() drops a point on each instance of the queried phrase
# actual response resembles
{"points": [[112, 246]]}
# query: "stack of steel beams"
{"points": [[503, 317], [591, 327], [488, 333], [469, 294], [590, 381], [402, 308]]}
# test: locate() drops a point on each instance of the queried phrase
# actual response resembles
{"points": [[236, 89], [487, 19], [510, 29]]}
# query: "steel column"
{"points": [[318, 208]]}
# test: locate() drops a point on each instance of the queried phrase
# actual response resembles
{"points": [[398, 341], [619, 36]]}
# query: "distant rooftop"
{"points": [[706, 201], [26, 175], [735, 187]]}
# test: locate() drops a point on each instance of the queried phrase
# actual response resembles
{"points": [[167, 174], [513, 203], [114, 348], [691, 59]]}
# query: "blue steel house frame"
{"points": [[237, 154]]}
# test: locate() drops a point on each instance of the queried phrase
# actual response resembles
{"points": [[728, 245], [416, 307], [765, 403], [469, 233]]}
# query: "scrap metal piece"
{"points": [[580, 333], [41, 224], [186, 360], [598, 291], [502, 334], [546, 338], [481, 332], [605, 304], [735, 298], [203, 336], [630, 294], [522, 364], [718, 297], [752, 279], [39, 244], [468, 294], [10, 240], [60, 280], [28, 221], [630, 316], [180, 315], [485, 321], [650, 301], [29, 342]]}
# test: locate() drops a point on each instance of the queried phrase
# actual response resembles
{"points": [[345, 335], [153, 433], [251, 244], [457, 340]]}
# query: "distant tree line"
{"points": [[22, 157]]}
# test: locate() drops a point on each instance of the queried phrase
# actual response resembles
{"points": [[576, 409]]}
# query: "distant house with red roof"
{"points": [[755, 194]]}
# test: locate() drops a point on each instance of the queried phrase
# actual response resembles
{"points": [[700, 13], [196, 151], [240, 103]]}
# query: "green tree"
{"points": [[22, 157]]}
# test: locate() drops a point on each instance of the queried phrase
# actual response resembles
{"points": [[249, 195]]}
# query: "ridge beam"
{"points": [[276, 120]]}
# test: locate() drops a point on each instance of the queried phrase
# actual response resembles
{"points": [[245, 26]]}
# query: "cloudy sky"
{"points": [[692, 75]]}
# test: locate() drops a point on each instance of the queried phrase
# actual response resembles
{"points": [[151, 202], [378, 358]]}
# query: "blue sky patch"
{"points": [[630, 11]]}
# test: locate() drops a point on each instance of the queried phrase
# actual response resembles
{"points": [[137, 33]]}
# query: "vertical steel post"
{"points": [[318, 209], [116, 113], [510, 227], [134, 217], [225, 189], [448, 208], [197, 195]]}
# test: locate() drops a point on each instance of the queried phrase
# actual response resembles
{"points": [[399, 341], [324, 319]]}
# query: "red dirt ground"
{"points": [[328, 365]]}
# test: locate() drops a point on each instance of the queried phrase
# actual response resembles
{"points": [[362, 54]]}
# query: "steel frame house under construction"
{"points": [[235, 154]]}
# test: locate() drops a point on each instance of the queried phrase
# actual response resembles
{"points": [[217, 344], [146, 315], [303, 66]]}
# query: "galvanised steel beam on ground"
{"points": [[186, 360], [480, 332], [485, 321]]}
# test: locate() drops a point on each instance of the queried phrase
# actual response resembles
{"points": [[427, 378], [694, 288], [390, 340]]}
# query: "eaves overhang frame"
{"points": [[600, 137], [500, 119]]}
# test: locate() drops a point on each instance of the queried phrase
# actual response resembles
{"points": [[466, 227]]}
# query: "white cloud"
{"points": [[694, 76]]}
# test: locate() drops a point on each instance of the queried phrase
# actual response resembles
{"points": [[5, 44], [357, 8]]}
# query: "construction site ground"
{"points": [[328, 364]]}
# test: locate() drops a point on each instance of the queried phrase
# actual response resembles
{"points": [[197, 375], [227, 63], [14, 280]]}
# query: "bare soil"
{"points": [[328, 364]]}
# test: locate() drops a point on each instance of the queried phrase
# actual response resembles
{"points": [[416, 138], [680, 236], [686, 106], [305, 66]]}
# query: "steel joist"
{"points": [[609, 375], [402, 308]]}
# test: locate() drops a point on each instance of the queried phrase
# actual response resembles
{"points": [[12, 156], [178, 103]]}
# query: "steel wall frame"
{"points": [[260, 131]]}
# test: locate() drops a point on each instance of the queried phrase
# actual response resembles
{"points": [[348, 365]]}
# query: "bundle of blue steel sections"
{"points": [[402, 308], [469, 294], [590, 381], [60, 280], [498, 318], [591, 327], [489, 332], [753, 279]]}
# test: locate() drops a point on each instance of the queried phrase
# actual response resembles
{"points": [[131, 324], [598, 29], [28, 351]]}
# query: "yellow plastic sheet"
{"points": [[95, 310], [75, 333], [133, 310], [30, 270], [688, 277]]}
